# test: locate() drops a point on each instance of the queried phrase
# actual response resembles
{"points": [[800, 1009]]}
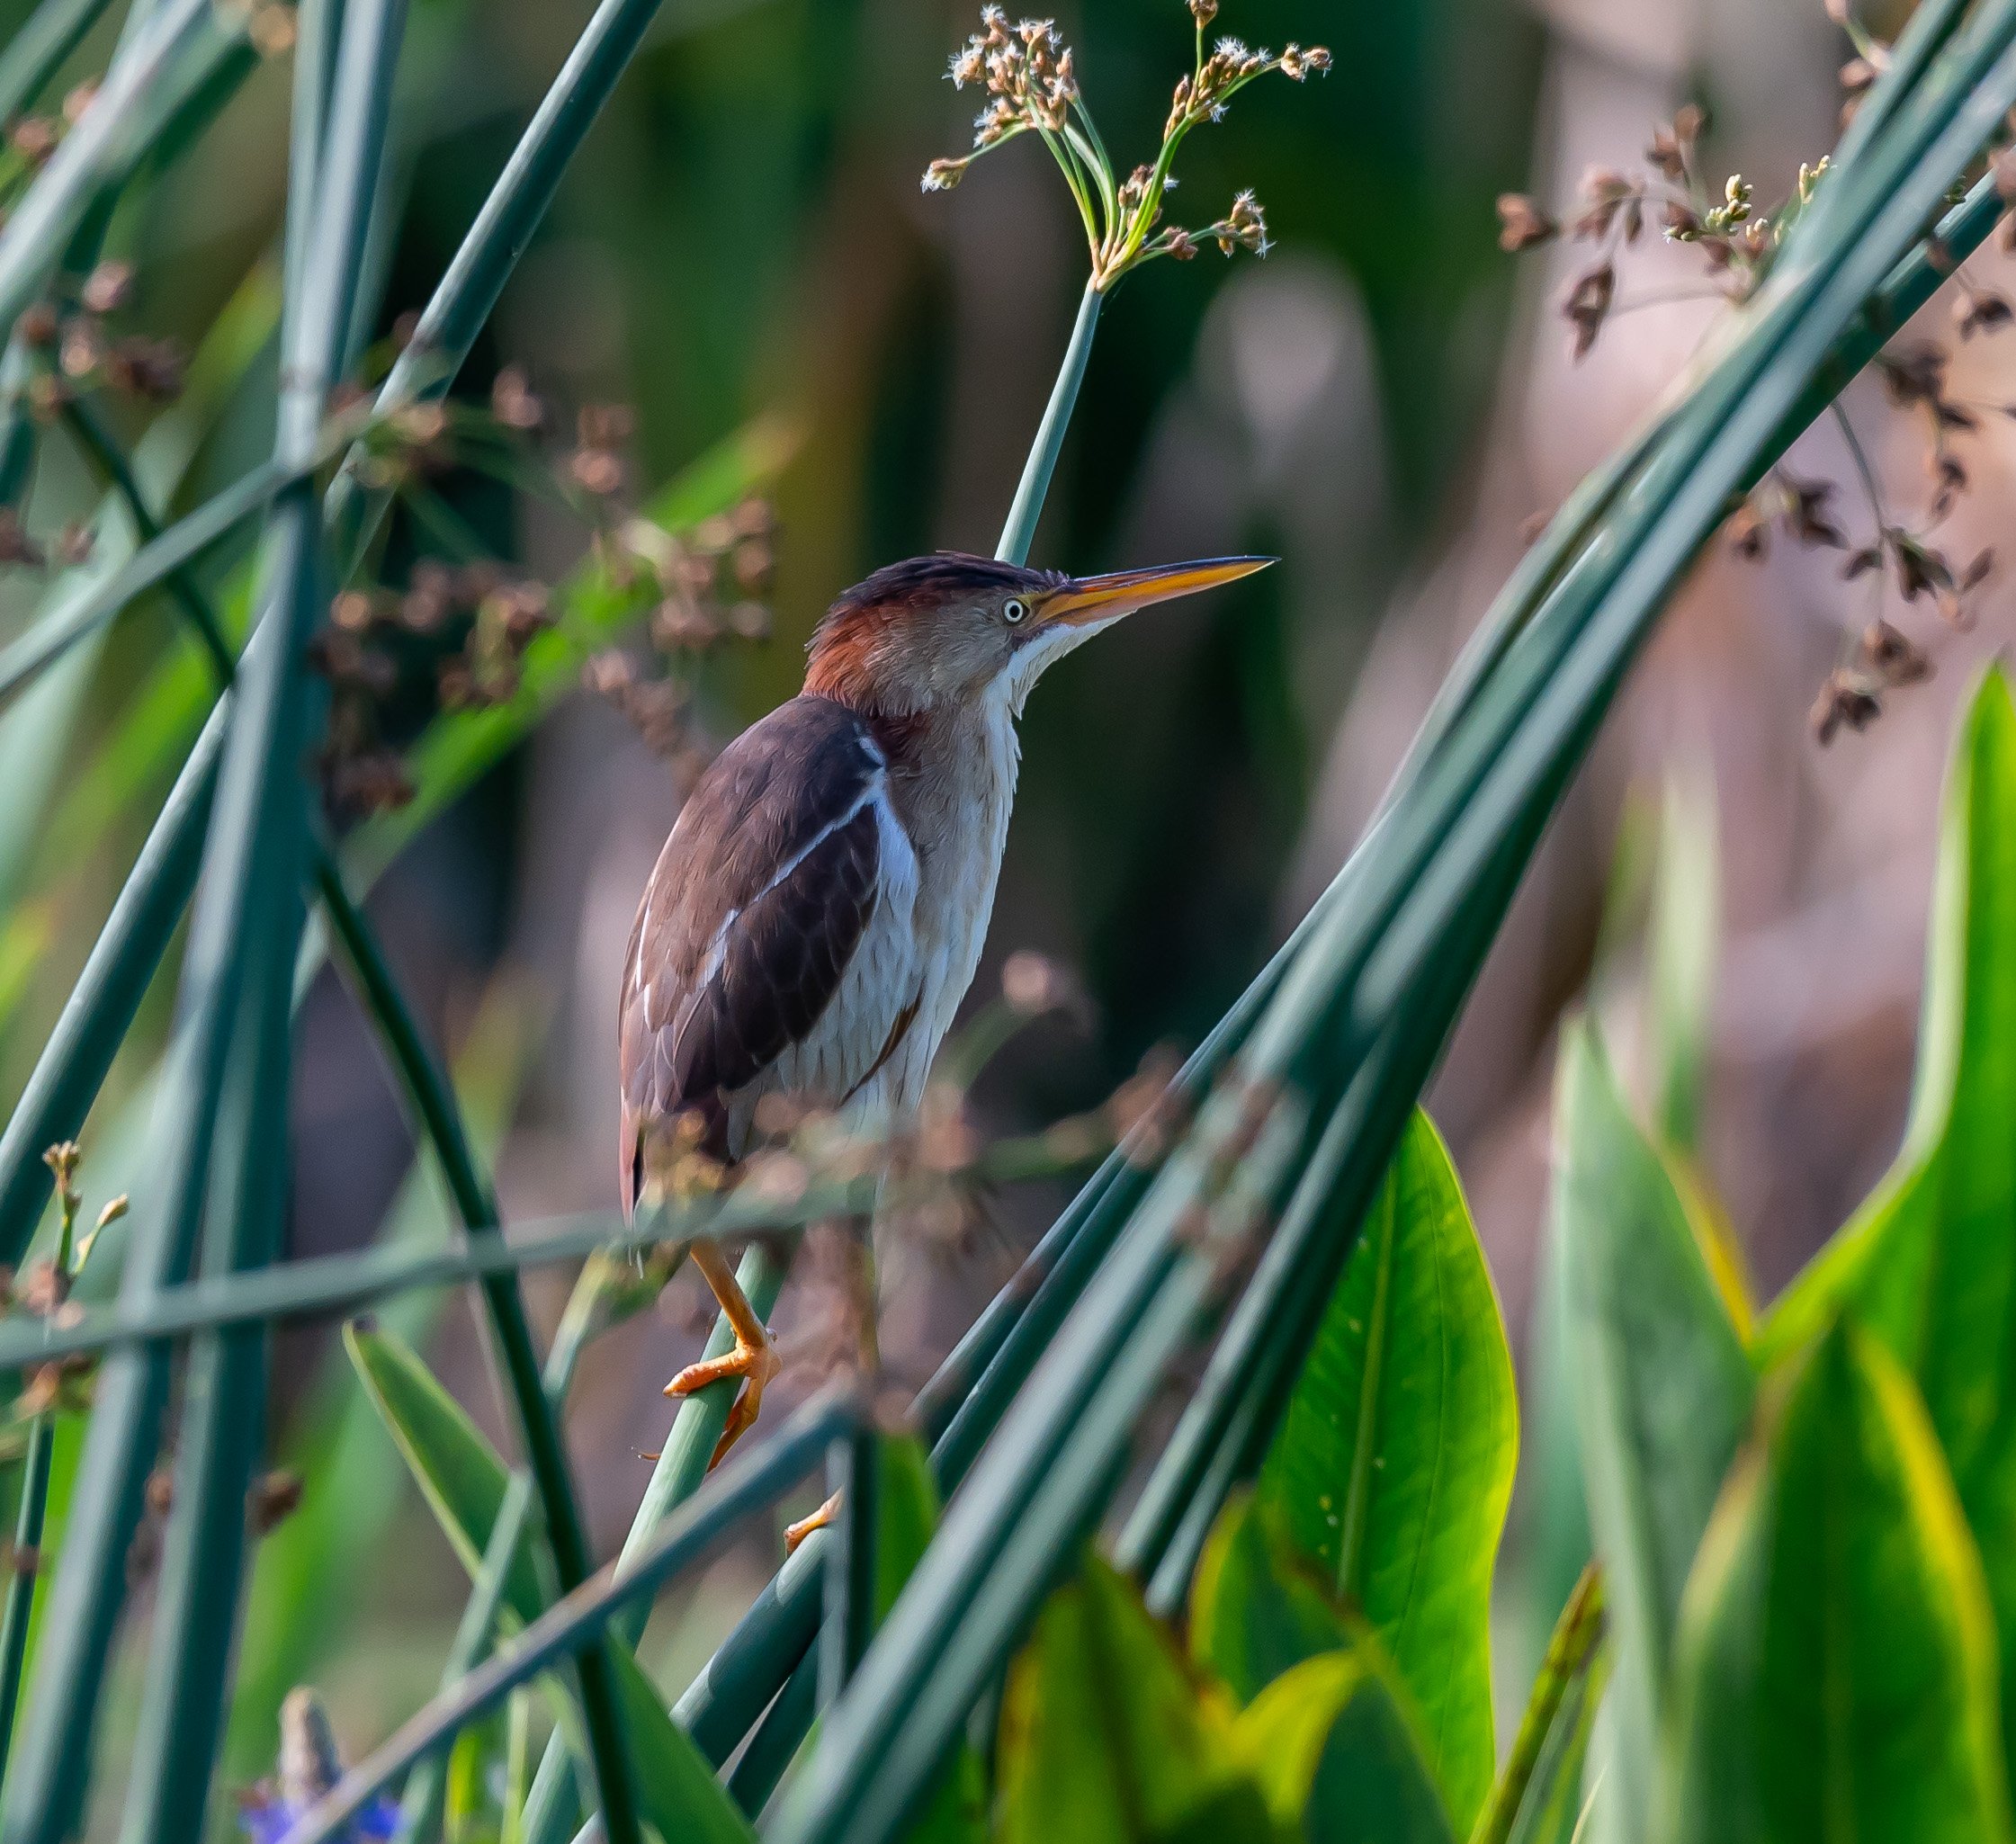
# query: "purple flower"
{"points": [[268, 1817], [310, 1766]]}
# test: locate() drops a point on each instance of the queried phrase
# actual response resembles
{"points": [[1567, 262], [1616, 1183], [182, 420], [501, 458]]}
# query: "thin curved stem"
{"points": [[110, 465], [1860, 456], [1019, 532]]}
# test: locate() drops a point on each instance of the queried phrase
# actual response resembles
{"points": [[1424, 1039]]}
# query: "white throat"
{"points": [[1035, 656]]}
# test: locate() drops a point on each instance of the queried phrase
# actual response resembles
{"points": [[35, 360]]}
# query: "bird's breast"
{"points": [[954, 800]]}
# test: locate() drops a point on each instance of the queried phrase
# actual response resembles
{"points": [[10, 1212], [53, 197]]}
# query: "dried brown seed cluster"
{"points": [[1803, 509], [268, 25], [1739, 239], [72, 349], [1848, 699], [488, 618], [415, 443], [709, 588], [514, 402], [1613, 206], [1918, 567], [1026, 73], [1923, 571], [657, 706], [43, 1289], [273, 1498], [597, 464]]}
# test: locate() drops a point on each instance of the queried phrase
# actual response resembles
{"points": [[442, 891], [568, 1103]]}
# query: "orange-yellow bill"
{"points": [[1102, 598]]}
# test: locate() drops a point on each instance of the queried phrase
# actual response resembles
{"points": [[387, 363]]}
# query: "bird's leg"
{"points": [[753, 1358], [861, 1288]]}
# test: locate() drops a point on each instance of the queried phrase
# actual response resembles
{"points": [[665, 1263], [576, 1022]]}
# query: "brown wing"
{"points": [[755, 906]]}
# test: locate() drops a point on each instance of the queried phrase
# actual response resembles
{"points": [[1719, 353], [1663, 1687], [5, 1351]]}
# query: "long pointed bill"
{"points": [[1088, 599]]}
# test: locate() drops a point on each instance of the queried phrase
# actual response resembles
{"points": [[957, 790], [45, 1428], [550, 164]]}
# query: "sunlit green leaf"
{"points": [[1929, 1263], [1105, 1740], [1335, 1756], [456, 1468], [468, 1814], [677, 1790], [1835, 1674], [1665, 1386], [1394, 1462], [1558, 1806], [1257, 1608]]}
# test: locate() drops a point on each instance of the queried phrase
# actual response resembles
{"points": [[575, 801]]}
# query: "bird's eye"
{"points": [[1014, 610]]}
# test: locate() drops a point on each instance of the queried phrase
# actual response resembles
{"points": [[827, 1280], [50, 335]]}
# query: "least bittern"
{"points": [[818, 912]]}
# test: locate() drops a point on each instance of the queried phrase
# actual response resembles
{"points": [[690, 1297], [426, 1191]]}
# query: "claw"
{"points": [[755, 1363], [795, 1534]]}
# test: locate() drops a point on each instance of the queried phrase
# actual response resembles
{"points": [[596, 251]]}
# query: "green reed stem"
{"points": [[420, 1799], [93, 154], [24, 1567], [1020, 530], [463, 302], [109, 463], [250, 854], [220, 1440], [39, 50]]}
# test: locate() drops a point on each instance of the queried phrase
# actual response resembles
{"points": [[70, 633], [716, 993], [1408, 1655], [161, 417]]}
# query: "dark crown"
{"points": [[925, 582]]}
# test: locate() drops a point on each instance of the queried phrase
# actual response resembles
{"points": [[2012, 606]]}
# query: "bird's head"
{"points": [[951, 629]]}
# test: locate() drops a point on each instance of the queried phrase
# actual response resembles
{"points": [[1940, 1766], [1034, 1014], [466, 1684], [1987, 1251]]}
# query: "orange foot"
{"points": [[795, 1534], [755, 1362]]}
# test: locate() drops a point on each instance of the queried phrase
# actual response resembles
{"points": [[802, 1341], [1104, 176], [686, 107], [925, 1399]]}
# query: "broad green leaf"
{"points": [[1547, 1543], [458, 1470], [1929, 1263], [1835, 1676], [1394, 1463], [1658, 937], [905, 1514], [1105, 1740], [463, 1479], [1332, 1751], [1665, 1388], [1257, 1608]]}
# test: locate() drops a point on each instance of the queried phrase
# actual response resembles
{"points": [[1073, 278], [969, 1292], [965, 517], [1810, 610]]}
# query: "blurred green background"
{"points": [[1383, 401]]}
